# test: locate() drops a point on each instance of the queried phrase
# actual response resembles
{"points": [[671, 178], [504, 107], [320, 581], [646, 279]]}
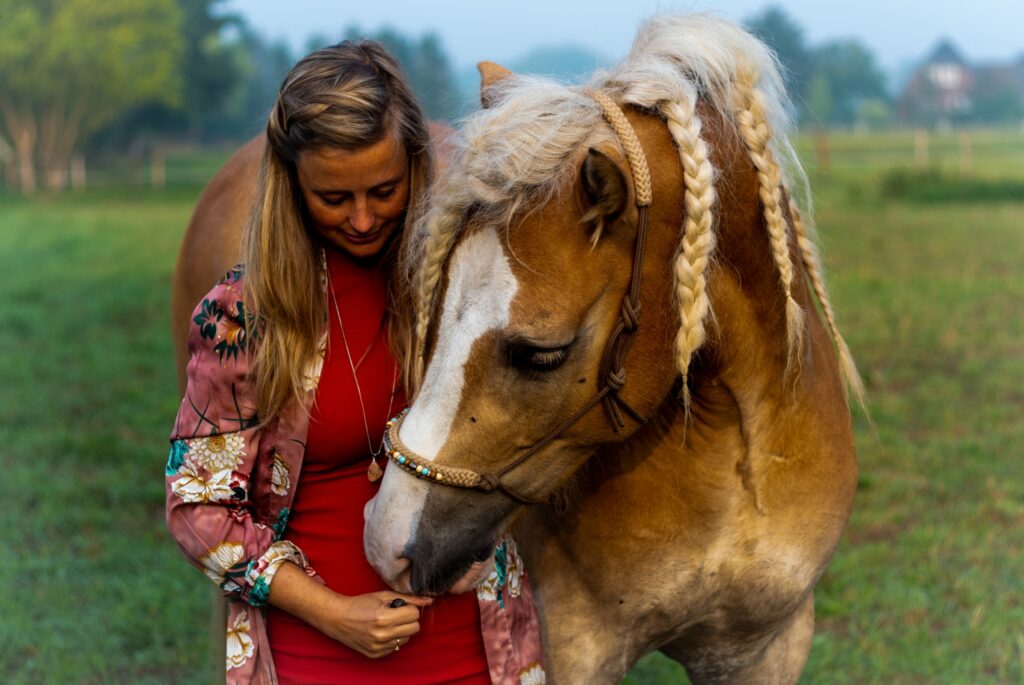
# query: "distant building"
{"points": [[946, 89]]}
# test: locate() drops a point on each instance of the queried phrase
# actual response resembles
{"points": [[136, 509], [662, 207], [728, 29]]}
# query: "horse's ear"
{"points": [[604, 185], [490, 74]]}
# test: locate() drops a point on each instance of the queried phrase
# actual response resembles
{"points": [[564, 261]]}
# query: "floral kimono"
{"points": [[230, 487]]}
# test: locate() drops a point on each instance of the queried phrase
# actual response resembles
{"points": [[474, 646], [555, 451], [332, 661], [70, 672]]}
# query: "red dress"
{"points": [[327, 516]]}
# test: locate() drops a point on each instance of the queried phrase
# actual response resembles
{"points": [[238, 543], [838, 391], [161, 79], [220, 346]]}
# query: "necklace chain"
{"points": [[355, 377]]}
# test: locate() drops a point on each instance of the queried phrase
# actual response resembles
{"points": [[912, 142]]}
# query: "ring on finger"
{"points": [[398, 643]]}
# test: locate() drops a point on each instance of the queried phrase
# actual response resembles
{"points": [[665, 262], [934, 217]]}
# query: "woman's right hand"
{"points": [[365, 623], [368, 624]]}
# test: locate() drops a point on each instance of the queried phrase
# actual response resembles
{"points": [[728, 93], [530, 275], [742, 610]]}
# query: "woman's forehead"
{"points": [[332, 169]]}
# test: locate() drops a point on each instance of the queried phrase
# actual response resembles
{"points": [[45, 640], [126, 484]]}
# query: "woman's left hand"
{"points": [[476, 574]]}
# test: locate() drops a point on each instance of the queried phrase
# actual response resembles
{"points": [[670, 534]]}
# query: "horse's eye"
{"points": [[531, 358]]}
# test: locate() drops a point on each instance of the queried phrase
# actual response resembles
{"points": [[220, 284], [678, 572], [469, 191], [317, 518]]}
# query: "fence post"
{"points": [[921, 147]]}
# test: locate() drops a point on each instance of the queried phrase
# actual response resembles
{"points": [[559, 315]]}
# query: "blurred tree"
{"points": [[820, 102], [847, 69], [263, 65], [425, 63], [68, 67], [873, 114], [786, 37], [997, 94], [210, 70]]}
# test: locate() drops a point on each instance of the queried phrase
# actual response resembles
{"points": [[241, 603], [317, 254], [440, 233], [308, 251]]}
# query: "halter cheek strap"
{"points": [[611, 372]]}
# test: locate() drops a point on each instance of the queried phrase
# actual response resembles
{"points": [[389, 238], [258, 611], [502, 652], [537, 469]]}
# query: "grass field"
{"points": [[927, 586]]}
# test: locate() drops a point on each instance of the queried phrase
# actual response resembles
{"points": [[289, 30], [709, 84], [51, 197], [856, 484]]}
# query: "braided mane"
{"points": [[526, 146]]}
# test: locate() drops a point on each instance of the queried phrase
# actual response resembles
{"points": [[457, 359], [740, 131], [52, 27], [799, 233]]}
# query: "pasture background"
{"points": [[926, 586]]}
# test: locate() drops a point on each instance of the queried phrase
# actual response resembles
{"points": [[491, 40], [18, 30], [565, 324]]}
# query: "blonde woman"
{"points": [[295, 365]]}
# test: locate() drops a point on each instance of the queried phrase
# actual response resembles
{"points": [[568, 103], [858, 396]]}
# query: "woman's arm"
{"points": [[215, 449], [216, 454], [365, 623]]}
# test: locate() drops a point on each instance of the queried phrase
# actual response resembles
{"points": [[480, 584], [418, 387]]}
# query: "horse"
{"points": [[633, 246]]}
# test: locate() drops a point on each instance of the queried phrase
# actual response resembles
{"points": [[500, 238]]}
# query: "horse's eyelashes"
{"points": [[537, 359], [548, 358]]}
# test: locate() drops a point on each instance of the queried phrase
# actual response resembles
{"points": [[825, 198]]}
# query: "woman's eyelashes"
{"points": [[337, 199]]}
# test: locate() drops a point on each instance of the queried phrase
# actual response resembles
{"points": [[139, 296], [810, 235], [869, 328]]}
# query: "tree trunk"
{"points": [[22, 129], [21, 126], [57, 139], [24, 146]]}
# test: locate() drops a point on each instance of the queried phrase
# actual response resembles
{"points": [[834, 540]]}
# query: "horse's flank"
{"points": [[210, 245]]}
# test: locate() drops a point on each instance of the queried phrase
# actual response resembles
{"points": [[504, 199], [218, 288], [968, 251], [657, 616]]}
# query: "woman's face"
{"points": [[356, 198]]}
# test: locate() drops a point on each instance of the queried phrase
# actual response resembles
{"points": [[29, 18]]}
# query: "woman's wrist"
{"points": [[301, 596]]}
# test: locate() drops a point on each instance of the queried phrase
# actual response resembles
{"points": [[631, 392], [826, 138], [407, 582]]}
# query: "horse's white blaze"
{"points": [[479, 299]]}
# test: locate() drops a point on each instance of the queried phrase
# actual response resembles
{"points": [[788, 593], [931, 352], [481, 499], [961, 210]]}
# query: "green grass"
{"points": [[94, 591], [926, 587]]}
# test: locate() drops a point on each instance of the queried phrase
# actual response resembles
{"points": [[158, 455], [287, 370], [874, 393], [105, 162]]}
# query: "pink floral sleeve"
{"points": [[218, 461]]}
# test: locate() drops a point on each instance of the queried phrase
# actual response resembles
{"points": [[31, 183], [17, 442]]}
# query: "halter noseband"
{"points": [[612, 371]]}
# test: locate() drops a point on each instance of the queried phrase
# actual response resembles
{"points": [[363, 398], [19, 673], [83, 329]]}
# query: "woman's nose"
{"points": [[362, 218]]}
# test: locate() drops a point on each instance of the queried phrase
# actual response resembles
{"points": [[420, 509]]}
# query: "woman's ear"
{"points": [[605, 190], [490, 74]]}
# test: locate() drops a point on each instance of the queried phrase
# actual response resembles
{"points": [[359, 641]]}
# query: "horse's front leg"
{"points": [[775, 658], [582, 644]]}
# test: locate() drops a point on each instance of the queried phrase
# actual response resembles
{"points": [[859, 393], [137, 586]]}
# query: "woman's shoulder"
{"points": [[220, 318], [234, 275]]}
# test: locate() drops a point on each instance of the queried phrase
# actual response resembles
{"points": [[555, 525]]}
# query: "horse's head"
{"points": [[530, 293]]}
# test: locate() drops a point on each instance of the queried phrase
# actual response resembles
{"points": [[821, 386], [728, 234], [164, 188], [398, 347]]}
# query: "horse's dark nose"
{"points": [[435, 568]]}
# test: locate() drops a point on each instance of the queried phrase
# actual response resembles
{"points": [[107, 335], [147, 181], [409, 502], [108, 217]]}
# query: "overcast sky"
{"points": [[898, 31]]}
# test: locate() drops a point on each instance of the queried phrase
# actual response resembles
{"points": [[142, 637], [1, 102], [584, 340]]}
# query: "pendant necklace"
{"points": [[374, 472]]}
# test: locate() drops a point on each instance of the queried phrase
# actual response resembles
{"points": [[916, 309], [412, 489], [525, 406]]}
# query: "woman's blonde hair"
{"points": [[346, 96]]}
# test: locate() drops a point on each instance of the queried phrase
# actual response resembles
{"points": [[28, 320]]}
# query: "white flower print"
{"points": [[190, 485], [218, 452], [487, 591], [219, 559], [534, 675], [240, 645], [279, 480], [514, 582]]}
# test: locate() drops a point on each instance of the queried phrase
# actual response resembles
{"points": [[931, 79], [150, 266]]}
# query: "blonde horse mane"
{"points": [[528, 143]]}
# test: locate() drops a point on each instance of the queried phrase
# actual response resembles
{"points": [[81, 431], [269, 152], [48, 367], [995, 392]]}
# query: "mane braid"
{"points": [[754, 129], [812, 265], [438, 244], [698, 242]]}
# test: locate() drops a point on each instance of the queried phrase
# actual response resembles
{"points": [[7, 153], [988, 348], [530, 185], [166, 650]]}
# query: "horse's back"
{"points": [[211, 242]]}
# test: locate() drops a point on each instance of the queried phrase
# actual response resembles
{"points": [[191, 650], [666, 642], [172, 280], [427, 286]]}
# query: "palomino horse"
{"points": [[631, 245]]}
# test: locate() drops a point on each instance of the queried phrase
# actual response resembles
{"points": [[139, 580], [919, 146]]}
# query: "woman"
{"points": [[295, 367]]}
